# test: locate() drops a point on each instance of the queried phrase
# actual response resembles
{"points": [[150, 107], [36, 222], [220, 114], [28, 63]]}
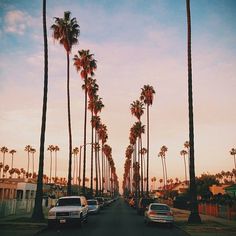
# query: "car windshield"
{"points": [[68, 202], [159, 208], [92, 202]]}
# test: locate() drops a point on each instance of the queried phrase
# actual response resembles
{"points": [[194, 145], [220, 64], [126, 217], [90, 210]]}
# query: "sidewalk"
{"points": [[210, 225], [20, 225]]}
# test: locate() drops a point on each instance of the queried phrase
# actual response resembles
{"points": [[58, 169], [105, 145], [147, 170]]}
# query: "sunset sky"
{"points": [[135, 42]]}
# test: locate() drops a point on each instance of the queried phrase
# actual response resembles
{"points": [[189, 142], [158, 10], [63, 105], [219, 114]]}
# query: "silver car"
{"points": [[159, 213], [93, 206]]}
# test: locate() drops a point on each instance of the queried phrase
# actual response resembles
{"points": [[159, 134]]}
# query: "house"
{"points": [[231, 190], [218, 189]]}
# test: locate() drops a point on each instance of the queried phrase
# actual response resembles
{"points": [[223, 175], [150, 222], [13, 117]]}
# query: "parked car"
{"points": [[93, 206], [100, 201], [159, 213], [143, 205], [71, 209]]}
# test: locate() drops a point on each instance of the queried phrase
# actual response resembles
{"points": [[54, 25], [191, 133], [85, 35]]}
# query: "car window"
{"points": [[92, 203], [69, 202], [159, 208]]}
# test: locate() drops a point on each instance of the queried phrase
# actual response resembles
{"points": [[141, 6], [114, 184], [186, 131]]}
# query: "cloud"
{"points": [[16, 22]]}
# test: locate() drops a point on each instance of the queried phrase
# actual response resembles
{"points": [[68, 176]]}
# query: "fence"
{"points": [[223, 211], [18, 207]]}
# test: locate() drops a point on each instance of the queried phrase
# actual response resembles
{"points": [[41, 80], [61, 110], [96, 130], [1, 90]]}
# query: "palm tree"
{"points": [[33, 150], [143, 151], [184, 153], [85, 63], [194, 216], [66, 31], [147, 97], [38, 209], [75, 169], [12, 152], [1, 167], [164, 149], [56, 149], [28, 150], [4, 150], [161, 155], [233, 153], [51, 148]]}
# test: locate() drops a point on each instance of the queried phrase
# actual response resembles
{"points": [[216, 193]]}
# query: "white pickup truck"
{"points": [[71, 209]]}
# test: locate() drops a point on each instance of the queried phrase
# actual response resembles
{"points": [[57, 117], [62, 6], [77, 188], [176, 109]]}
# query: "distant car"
{"points": [[71, 209], [159, 213], [101, 201], [93, 206], [143, 204]]}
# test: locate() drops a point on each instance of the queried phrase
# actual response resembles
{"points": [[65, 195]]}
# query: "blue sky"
{"points": [[135, 43]]}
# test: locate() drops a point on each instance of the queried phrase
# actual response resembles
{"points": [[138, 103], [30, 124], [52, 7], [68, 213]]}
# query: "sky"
{"points": [[135, 43]]}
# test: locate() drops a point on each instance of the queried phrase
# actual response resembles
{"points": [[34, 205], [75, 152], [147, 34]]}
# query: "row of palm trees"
{"points": [[134, 167], [66, 31]]}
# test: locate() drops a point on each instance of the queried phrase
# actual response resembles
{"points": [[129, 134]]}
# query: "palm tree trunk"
{"points": [[50, 166], [185, 170], [163, 169], [33, 163], [28, 165], [55, 164], [38, 209], [80, 149], [96, 164], [85, 127], [99, 172], [147, 187], [141, 167], [74, 170], [69, 126], [194, 216], [91, 179]]}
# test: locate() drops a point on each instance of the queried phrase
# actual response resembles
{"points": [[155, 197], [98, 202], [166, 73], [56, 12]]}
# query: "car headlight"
{"points": [[51, 213], [75, 213]]}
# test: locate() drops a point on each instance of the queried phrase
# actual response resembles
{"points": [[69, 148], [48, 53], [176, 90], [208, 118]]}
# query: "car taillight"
{"points": [[152, 213]]}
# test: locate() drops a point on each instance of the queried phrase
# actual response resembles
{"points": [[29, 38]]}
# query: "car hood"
{"points": [[66, 208]]}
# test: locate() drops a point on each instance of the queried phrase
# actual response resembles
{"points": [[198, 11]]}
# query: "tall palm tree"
{"points": [[183, 153], [233, 153], [143, 151], [38, 209], [4, 150], [56, 149], [51, 149], [86, 64], [33, 150], [161, 155], [28, 150], [194, 216], [164, 149], [12, 152], [66, 31], [147, 94]]}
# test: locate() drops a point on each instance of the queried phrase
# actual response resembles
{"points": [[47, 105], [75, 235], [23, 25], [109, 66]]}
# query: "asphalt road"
{"points": [[115, 220]]}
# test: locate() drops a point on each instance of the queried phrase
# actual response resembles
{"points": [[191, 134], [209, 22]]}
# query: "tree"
{"points": [[75, 169], [38, 209], [33, 150], [164, 149], [161, 155], [86, 64], [28, 150], [66, 31], [4, 150], [194, 216], [51, 149], [12, 152], [56, 149], [147, 94], [233, 153], [183, 153]]}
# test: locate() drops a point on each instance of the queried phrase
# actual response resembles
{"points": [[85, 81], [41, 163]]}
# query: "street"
{"points": [[115, 220]]}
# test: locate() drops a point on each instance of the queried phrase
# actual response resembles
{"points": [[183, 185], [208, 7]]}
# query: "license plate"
{"points": [[63, 221]]}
